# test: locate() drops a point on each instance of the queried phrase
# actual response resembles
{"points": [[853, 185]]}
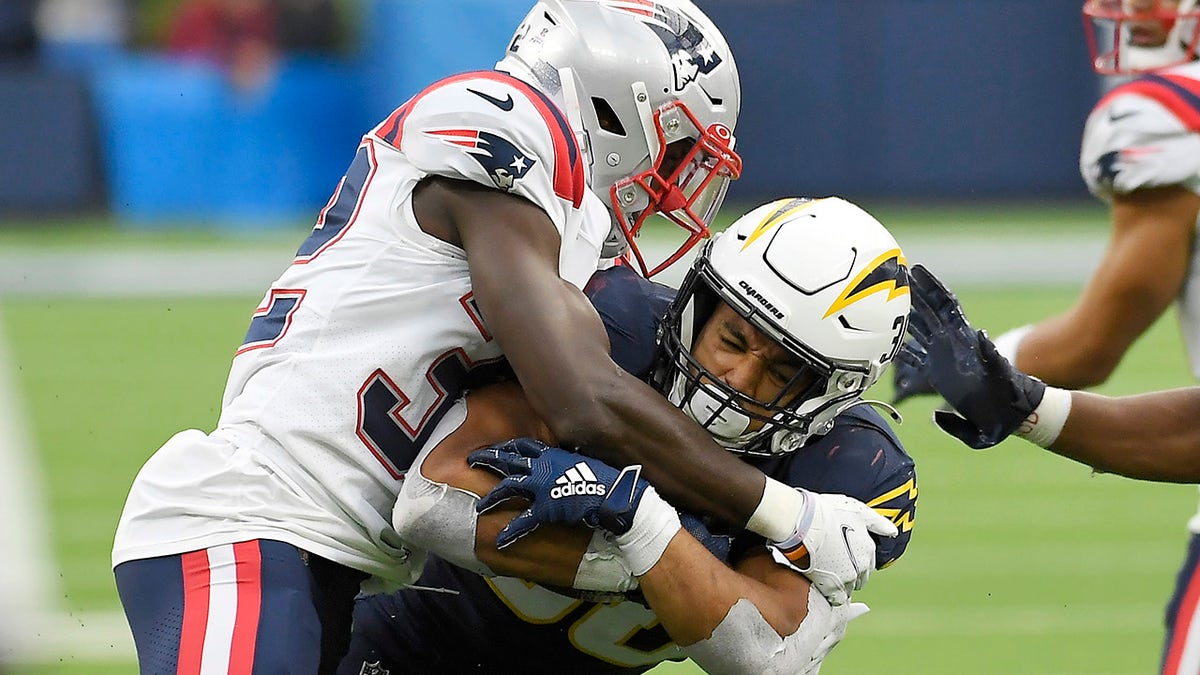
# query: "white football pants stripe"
{"points": [[223, 591]]}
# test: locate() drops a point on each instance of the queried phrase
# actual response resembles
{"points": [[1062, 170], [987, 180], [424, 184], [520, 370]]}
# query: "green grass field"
{"points": [[1020, 562]]}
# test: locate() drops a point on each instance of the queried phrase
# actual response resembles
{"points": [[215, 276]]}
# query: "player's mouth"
{"points": [[1147, 34]]}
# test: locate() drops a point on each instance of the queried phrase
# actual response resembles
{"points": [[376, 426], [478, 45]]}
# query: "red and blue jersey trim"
{"points": [[1178, 94], [568, 177]]}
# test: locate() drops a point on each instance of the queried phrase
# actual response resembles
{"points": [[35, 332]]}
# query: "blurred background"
{"points": [[161, 159], [242, 112]]}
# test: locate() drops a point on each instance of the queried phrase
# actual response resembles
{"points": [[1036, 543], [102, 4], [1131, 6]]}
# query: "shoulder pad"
{"points": [[494, 129], [1144, 133]]}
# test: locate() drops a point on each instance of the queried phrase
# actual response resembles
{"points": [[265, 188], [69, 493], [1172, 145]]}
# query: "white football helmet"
{"points": [[653, 94], [823, 279], [1136, 36]]}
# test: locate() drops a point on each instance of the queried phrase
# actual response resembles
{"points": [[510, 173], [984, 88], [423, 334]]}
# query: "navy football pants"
{"points": [[256, 607]]}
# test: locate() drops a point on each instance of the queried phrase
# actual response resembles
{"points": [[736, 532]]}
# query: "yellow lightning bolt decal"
{"points": [[901, 517], [864, 284], [787, 207]]}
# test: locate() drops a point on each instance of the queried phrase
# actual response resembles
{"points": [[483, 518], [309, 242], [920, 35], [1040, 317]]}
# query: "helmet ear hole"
{"points": [[607, 117]]}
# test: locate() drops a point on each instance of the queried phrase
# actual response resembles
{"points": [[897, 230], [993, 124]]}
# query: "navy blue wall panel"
{"points": [[912, 98]]}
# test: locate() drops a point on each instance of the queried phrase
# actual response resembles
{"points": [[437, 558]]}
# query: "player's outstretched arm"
{"points": [[1151, 436], [1154, 436], [556, 344]]}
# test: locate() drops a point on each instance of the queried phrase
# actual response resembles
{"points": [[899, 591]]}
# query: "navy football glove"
{"points": [[991, 397], [564, 487], [910, 378]]}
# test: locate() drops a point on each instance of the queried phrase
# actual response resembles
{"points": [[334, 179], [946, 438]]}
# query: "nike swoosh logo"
{"points": [[846, 530], [1113, 117], [505, 104]]}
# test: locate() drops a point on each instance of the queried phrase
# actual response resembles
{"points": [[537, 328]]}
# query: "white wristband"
{"points": [[778, 511], [654, 525], [1009, 342], [1046, 422]]}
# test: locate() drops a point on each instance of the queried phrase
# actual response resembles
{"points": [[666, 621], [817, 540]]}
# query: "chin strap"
{"points": [[882, 407]]}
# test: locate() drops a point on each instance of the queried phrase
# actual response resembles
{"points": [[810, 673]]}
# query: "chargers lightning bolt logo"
{"points": [[501, 158], [888, 272]]}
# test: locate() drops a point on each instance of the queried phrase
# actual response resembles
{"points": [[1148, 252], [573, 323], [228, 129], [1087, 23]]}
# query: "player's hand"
{"points": [[910, 378], [512, 457], [564, 487], [837, 532], [840, 619], [990, 397]]}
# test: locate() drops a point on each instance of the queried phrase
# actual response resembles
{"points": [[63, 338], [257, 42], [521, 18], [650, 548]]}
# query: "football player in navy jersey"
{"points": [[782, 323]]}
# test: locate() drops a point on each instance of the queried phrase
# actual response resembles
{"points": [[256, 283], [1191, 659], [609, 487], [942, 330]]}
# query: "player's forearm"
{"points": [[759, 617], [1064, 351], [1152, 436], [691, 593]]}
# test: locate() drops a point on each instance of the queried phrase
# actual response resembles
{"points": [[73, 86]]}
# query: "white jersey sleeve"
{"points": [[1145, 134], [490, 128]]}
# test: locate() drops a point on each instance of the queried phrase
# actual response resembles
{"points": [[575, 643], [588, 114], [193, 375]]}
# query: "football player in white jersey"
{"points": [[453, 249], [1140, 154]]}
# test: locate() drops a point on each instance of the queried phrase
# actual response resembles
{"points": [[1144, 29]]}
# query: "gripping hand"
{"points": [[991, 397], [836, 533], [564, 487]]}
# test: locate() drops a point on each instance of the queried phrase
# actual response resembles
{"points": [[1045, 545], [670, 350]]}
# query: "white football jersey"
{"points": [[366, 340], [1146, 133]]}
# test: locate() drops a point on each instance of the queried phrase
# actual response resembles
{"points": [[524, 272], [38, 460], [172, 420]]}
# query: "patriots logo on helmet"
{"points": [[691, 53], [500, 157]]}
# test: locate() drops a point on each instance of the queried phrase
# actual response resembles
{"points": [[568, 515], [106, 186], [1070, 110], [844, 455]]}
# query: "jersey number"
{"points": [[383, 429], [618, 633]]}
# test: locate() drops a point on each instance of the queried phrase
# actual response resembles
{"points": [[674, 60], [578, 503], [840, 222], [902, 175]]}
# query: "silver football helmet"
{"points": [[652, 92], [1136, 36], [820, 277]]}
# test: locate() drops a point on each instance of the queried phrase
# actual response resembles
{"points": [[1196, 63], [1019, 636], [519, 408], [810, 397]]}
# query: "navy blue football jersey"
{"points": [[460, 622]]}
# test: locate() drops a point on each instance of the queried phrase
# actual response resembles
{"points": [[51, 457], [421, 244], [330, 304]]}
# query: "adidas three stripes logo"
{"points": [[577, 480]]}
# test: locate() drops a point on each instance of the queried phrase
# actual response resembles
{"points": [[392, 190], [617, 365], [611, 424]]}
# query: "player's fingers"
{"points": [[516, 528], [509, 488], [932, 291], [526, 447], [877, 523], [500, 461], [856, 610], [958, 427]]}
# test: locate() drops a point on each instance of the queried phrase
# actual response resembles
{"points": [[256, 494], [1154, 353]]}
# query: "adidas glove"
{"points": [[571, 489]]}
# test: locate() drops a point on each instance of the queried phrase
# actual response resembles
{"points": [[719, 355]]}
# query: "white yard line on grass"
{"points": [[957, 259]]}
